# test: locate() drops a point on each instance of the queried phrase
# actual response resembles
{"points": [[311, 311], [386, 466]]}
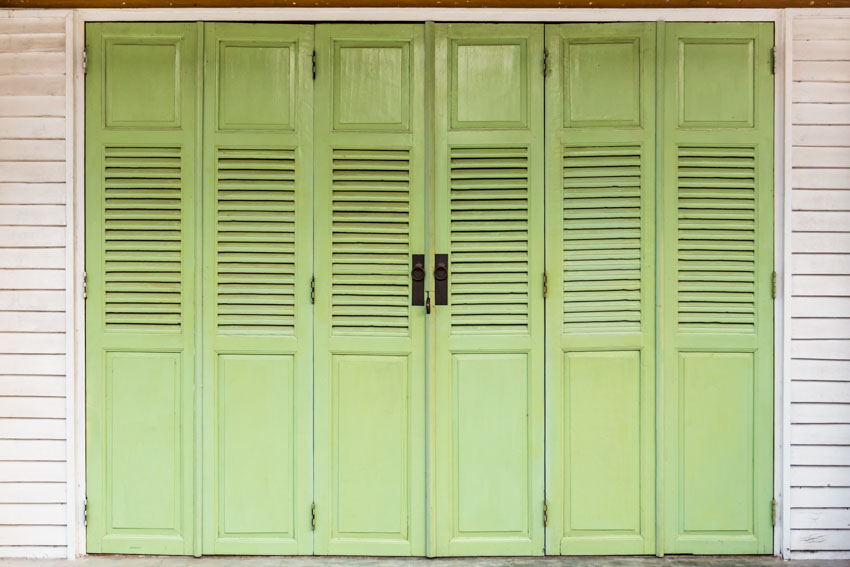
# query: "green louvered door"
{"points": [[600, 116], [716, 256], [370, 342], [488, 376], [257, 256], [142, 169]]}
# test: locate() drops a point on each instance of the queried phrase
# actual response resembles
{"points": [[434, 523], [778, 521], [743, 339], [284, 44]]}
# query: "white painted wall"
{"points": [[38, 442], [819, 306], [33, 243]]}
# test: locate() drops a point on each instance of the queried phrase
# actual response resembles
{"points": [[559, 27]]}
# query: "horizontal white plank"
{"points": [[821, 199], [35, 471], [32, 450], [19, 406], [820, 157], [31, 279], [820, 327], [40, 386], [821, 221], [820, 285], [32, 514], [821, 135], [47, 258], [831, 27], [820, 455], [32, 25], [45, 127], [821, 70], [32, 150], [33, 63], [822, 50], [36, 85], [33, 493], [26, 43], [32, 105], [802, 475], [834, 349], [33, 321], [40, 364], [829, 242], [802, 412], [819, 539], [33, 535], [820, 497], [34, 552], [32, 343], [802, 263], [821, 178], [821, 391], [32, 215], [820, 434], [820, 307], [44, 428], [797, 555], [33, 193], [33, 171], [816, 92], [30, 300], [830, 519], [812, 113], [35, 236]]}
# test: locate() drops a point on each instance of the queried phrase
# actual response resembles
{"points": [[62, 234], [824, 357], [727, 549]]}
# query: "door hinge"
{"points": [[545, 63], [773, 511], [773, 60], [313, 289], [545, 285], [85, 285], [313, 517], [773, 286], [85, 60], [314, 65], [86, 512], [545, 513]]}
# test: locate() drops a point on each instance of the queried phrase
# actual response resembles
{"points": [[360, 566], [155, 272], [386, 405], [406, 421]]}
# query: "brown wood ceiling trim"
{"points": [[423, 3]]}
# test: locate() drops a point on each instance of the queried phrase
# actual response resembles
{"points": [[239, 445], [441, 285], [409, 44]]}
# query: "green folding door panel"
{"points": [[600, 237], [716, 255], [257, 256], [369, 340], [142, 168], [488, 177]]}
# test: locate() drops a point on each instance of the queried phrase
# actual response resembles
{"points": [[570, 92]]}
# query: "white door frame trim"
{"points": [[75, 101]]}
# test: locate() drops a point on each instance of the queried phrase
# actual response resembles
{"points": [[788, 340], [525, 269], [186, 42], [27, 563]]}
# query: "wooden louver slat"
{"points": [[716, 238], [370, 241], [489, 240], [602, 238], [255, 240], [143, 238]]}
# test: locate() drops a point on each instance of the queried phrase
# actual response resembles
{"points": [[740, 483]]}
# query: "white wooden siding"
{"points": [[33, 431], [820, 287]]}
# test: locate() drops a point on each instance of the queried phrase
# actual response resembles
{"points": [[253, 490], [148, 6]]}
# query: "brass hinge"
{"points": [[545, 513], [773, 511], [314, 65], [85, 285], [313, 517], [86, 512], [545, 63], [773, 286], [313, 289], [773, 60], [545, 285], [85, 60]]}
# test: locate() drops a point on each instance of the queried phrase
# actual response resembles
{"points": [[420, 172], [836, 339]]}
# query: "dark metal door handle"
{"points": [[441, 279], [417, 274]]}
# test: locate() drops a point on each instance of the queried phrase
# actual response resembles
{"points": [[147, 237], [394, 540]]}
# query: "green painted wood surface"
{"points": [[370, 342], [257, 265], [142, 171], [716, 257], [600, 136], [488, 178]]}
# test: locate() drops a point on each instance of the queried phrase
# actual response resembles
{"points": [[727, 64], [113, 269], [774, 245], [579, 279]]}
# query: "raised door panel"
{"points": [[600, 306], [257, 334], [488, 373], [370, 340], [141, 184], [717, 257]]}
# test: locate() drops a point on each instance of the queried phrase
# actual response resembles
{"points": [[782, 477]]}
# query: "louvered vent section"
{"points": [[255, 240], [602, 238], [370, 241], [143, 238], [716, 238], [489, 240]]}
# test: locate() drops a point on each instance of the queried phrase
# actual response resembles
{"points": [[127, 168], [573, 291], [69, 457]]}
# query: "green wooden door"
{"points": [[488, 219], [142, 170], [716, 256], [600, 233], [257, 264], [369, 341]]}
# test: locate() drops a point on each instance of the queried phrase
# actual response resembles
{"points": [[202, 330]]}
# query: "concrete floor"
{"points": [[671, 561]]}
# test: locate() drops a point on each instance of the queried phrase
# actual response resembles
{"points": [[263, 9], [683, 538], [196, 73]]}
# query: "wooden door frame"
{"points": [[75, 183]]}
